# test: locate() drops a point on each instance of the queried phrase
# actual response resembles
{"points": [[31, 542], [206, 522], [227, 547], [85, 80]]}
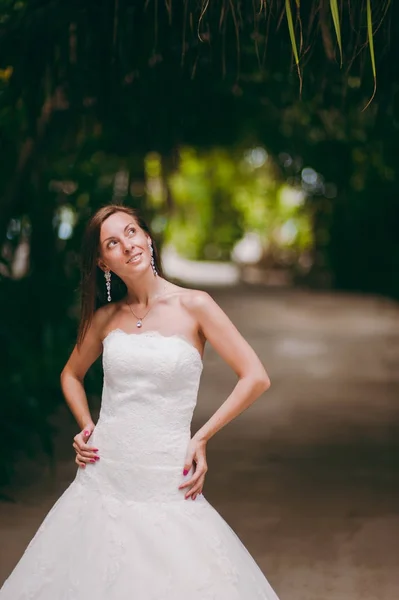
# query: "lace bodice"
{"points": [[150, 391]]}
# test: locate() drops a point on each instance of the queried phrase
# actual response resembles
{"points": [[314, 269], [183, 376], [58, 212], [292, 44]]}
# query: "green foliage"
{"points": [[204, 222], [219, 195]]}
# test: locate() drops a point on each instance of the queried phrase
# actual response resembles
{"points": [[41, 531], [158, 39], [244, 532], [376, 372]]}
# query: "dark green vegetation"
{"points": [[90, 89]]}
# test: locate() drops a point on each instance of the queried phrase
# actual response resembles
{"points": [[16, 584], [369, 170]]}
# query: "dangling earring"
{"points": [[107, 276], [154, 269]]}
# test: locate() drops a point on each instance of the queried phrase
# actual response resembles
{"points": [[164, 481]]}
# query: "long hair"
{"points": [[92, 286]]}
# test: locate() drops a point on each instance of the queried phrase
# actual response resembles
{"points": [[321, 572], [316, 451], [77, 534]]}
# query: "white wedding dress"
{"points": [[123, 530]]}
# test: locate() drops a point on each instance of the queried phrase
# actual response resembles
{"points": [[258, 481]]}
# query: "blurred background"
{"points": [[260, 140]]}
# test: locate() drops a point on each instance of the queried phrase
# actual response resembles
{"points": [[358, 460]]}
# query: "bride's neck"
{"points": [[142, 291]]}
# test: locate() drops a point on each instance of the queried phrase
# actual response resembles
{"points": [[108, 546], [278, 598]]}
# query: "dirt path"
{"points": [[308, 476]]}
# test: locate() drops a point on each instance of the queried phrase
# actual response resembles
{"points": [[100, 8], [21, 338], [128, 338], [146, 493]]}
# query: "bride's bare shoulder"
{"points": [[103, 316], [106, 312], [193, 299]]}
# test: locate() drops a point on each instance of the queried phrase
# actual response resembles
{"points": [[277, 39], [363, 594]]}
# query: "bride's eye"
{"points": [[131, 231], [111, 243]]}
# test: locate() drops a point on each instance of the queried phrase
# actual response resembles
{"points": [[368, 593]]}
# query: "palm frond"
{"points": [[291, 30], [370, 37], [337, 26]]}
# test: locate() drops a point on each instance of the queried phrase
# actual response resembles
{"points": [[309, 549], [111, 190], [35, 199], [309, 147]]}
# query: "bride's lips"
{"points": [[135, 258]]}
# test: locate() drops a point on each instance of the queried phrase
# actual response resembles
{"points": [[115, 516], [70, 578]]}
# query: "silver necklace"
{"points": [[139, 322]]}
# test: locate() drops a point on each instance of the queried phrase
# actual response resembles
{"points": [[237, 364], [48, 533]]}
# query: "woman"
{"points": [[134, 524]]}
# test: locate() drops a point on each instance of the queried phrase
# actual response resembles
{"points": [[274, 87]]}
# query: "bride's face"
{"points": [[124, 247]]}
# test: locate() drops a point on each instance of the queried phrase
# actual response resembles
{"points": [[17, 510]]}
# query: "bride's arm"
{"points": [[253, 379], [74, 372], [72, 378]]}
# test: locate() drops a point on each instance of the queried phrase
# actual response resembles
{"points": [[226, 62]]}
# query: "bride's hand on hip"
{"points": [[84, 453], [196, 454]]}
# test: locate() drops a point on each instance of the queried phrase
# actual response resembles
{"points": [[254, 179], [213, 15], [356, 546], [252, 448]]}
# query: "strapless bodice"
{"points": [[149, 394], [149, 373]]}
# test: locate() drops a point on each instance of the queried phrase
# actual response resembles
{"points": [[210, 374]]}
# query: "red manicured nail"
{"points": [[185, 472], [92, 460], [86, 432], [96, 458]]}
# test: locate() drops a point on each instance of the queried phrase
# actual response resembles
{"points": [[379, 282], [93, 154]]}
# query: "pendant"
{"points": [[139, 323]]}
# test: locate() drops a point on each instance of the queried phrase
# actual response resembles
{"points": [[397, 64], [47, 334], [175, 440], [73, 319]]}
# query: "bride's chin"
{"points": [[137, 267]]}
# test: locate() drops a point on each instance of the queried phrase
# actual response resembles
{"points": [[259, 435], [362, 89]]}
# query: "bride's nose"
{"points": [[128, 247]]}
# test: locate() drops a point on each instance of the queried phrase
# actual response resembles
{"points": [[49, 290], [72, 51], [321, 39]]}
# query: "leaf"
{"points": [[204, 8], [370, 37], [262, 6], [291, 30], [337, 26], [5, 74]]}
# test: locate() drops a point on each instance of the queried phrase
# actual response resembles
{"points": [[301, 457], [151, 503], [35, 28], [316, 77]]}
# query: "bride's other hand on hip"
{"points": [[84, 453], [196, 455]]}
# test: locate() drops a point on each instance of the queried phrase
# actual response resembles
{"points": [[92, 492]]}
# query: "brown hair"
{"points": [[93, 290]]}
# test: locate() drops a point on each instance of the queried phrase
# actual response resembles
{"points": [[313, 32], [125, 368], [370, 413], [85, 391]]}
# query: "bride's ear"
{"points": [[101, 264]]}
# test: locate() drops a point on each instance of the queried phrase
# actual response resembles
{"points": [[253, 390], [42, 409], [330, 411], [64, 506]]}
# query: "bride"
{"points": [[134, 524]]}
